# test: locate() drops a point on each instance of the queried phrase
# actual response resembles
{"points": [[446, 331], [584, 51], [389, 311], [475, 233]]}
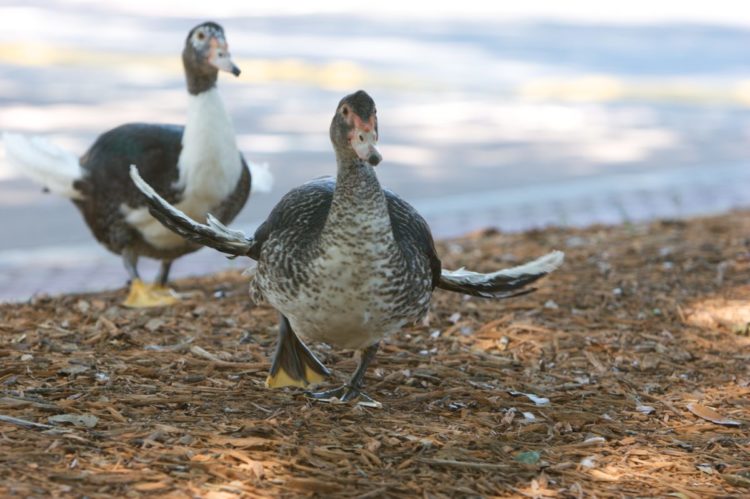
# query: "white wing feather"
{"points": [[43, 162]]}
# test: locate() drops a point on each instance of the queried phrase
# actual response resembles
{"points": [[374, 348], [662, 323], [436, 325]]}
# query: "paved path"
{"points": [[629, 198], [484, 120]]}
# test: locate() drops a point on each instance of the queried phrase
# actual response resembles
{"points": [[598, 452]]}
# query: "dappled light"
{"points": [[600, 383], [731, 315], [616, 135], [473, 99]]}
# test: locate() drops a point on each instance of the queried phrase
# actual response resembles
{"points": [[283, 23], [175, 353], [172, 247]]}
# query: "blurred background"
{"points": [[508, 116]]}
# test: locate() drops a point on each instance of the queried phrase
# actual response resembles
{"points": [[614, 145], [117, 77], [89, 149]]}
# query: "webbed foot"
{"points": [[142, 295], [293, 363], [346, 393]]}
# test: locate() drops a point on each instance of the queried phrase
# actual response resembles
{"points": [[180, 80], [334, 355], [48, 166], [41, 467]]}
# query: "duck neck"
{"points": [[198, 77], [358, 198], [210, 165]]}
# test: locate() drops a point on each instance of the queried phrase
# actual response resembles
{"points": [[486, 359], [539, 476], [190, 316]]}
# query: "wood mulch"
{"points": [[626, 374]]}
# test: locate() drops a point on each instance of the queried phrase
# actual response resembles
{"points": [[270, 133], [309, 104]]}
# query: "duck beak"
{"points": [[363, 144], [219, 57], [374, 158]]}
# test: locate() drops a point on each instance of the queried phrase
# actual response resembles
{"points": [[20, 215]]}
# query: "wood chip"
{"points": [[183, 412], [83, 420], [313, 486], [711, 415]]}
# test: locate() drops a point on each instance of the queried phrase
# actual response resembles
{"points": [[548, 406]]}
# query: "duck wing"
{"points": [[301, 214], [505, 283], [213, 234], [414, 237], [412, 233], [155, 148]]}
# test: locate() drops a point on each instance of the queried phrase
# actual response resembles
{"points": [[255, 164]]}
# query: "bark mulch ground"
{"points": [[625, 374]]}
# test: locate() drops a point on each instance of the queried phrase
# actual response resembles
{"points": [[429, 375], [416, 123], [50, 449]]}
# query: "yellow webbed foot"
{"points": [[142, 295], [293, 363], [282, 379], [160, 289]]}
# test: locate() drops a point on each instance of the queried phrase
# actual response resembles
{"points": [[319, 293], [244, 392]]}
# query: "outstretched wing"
{"points": [[213, 234], [504, 283]]}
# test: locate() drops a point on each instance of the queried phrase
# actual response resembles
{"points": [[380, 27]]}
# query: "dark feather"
{"points": [[502, 283], [302, 212], [213, 234], [106, 185]]}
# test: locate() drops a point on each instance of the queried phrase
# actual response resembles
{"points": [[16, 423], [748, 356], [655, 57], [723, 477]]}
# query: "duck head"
{"points": [[354, 129], [205, 54]]}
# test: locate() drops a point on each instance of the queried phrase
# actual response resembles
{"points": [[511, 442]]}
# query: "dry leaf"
{"points": [[711, 415], [541, 401], [240, 442], [737, 480], [150, 486], [645, 409], [84, 420], [74, 369], [154, 324], [313, 485]]}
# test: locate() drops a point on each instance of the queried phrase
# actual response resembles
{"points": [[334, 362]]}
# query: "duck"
{"points": [[198, 167], [343, 260]]}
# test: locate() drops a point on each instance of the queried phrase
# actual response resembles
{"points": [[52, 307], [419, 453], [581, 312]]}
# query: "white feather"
{"points": [[224, 232], [262, 178], [542, 265], [150, 228], [44, 162], [209, 165], [228, 236]]}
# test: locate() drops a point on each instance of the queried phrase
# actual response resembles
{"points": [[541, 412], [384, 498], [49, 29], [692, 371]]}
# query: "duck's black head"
{"points": [[205, 53], [354, 129]]}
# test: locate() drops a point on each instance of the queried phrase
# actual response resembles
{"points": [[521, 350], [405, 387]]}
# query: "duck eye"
{"points": [[361, 138], [345, 111], [201, 36]]}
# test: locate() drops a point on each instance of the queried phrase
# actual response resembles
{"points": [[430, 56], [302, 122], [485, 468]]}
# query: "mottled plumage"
{"points": [[341, 275], [344, 261]]}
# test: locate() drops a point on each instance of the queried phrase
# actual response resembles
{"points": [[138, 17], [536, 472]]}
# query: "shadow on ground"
{"points": [[581, 388]]}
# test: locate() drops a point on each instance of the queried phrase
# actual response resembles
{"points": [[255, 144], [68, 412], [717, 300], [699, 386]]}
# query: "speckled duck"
{"points": [[197, 167], [343, 260]]}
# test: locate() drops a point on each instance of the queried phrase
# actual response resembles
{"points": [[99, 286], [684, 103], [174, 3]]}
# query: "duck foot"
{"points": [[142, 295], [293, 363], [345, 393]]}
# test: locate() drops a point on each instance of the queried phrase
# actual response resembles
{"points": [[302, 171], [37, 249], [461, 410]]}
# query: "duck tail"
{"points": [[293, 363], [44, 162], [262, 178], [213, 234], [502, 283]]}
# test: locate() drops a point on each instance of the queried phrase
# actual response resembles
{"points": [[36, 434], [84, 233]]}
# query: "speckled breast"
{"points": [[352, 288]]}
